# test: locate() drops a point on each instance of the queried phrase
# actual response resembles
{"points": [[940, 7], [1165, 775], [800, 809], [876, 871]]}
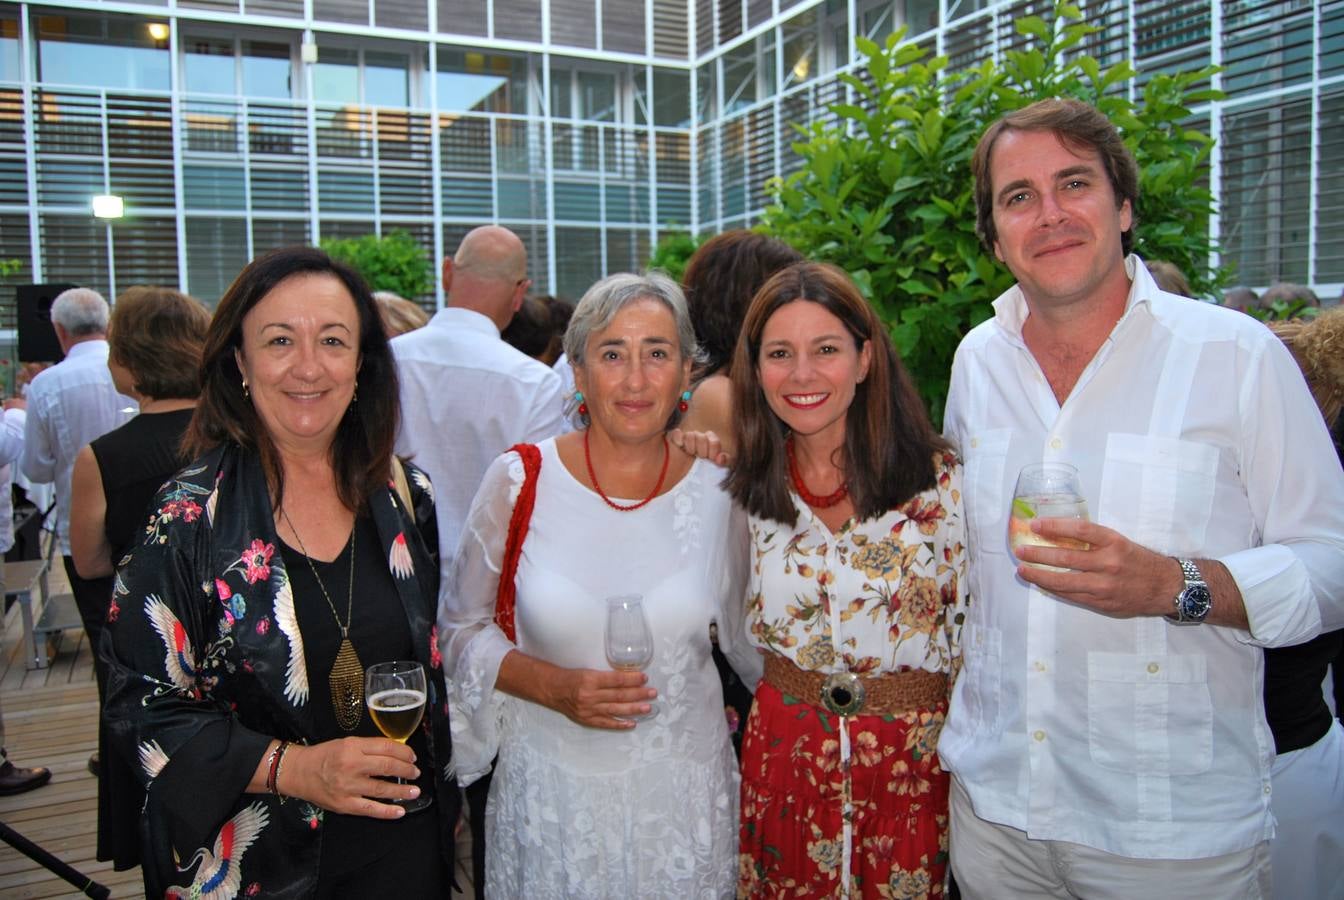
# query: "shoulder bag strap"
{"points": [[513, 548]]}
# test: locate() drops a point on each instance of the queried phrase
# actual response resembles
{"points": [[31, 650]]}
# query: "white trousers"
{"points": [[1308, 805], [993, 862]]}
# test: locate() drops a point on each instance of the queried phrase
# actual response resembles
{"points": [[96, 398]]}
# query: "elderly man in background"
{"points": [[69, 405], [467, 396], [1107, 736]]}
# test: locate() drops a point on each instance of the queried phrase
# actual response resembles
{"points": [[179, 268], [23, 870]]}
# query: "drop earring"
{"points": [[247, 394], [583, 407], [685, 402]]}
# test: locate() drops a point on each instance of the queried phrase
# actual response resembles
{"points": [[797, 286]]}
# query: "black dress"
{"points": [[133, 462], [360, 854]]}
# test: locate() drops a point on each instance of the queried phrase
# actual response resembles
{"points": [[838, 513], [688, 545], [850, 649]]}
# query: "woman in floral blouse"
{"points": [[290, 555], [857, 598]]}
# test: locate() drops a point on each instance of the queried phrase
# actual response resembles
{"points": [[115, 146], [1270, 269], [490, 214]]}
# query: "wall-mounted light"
{"points": [[158, 30], [108, 206]]}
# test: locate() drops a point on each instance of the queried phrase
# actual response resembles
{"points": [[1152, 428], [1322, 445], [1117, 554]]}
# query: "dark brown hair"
{"points": [[1079, 126], [889, 442], [720, 279], [156, 334], [361, 452]]}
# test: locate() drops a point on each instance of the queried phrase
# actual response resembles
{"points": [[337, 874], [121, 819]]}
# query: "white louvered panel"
{"points": [[518, 20], [69, 122], [623, 27], [1265, 190], [74, 249], [670, 19], [277, 130], [1266, 45], [1330, 188], [145, 251]]}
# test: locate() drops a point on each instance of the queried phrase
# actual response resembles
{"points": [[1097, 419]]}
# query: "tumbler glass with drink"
{"points": [[1045, 490]]}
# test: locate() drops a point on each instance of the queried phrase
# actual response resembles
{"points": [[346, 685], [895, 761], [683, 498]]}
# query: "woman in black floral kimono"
{"points": [[290, 555]]}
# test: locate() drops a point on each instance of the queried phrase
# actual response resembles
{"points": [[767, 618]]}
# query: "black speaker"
{"points": [[37, 336]]}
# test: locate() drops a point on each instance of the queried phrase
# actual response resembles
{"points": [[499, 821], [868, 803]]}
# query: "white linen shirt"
{"points": [[1195, 436], [466, 397], [12, 424], [69, 405]]}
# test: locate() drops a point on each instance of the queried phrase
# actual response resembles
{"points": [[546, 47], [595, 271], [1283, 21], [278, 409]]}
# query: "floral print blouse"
{"points": [[883, 595], [207, 665]]}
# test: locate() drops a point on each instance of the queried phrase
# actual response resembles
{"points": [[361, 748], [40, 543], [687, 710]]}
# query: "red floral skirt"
{"points": [[793, 788]]}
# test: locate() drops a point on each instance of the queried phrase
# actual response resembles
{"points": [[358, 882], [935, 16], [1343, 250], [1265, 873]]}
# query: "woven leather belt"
{"points": [[847, 694]]}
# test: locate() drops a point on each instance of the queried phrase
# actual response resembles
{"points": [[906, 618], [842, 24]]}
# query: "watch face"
{"points": [[1195, 603]]}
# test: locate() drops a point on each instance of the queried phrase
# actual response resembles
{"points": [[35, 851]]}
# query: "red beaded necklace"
{"points": [[588, 458], [810, 498]]}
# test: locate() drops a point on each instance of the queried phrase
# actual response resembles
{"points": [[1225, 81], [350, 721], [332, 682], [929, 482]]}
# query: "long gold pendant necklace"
{"points": [[347, 672]]}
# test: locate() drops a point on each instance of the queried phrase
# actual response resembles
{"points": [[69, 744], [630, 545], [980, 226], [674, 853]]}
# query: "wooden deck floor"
{"points": [[50, 718]]}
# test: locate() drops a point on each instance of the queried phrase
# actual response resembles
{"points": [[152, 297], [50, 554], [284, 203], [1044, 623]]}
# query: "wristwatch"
{"points": [[1194, 601]]}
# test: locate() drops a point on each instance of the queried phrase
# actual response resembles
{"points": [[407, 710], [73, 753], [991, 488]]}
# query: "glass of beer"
{"points": [[395, 694], [629, 641], [1045, 490]]}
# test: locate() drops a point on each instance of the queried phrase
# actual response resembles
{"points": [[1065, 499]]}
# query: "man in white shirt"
{"points": [[69, 405], [1106, 734], [466, 396]]}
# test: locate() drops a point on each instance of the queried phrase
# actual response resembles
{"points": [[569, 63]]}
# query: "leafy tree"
{"points": [[393, 262], [673, 251], [886, 190]]}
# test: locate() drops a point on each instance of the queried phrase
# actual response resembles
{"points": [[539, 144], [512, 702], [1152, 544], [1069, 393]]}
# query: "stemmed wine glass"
{"points": [[1045, 490], [395, 694], [629, 641]]}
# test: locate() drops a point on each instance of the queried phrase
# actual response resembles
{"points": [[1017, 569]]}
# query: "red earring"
{"points": [[583, 407], [685, 403]]}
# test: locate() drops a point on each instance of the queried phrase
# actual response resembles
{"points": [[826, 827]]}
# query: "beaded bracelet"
{"points": [[273, 768]]}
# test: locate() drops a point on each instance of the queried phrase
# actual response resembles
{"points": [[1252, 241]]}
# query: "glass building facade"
{"points": [[590, 127]]}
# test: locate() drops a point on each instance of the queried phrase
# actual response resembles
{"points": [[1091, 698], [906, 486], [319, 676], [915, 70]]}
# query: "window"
{"points": [[385, 77], [208, 65], [10, 69], [481, 82], [671, 98], [267, 69], [103, 52]]}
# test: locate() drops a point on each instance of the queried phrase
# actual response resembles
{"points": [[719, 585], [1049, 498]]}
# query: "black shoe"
{"points": [[95, 766], [16, 780]]}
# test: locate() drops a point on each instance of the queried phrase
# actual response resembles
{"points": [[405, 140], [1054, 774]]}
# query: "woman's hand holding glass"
{"points": [[346, 775]]}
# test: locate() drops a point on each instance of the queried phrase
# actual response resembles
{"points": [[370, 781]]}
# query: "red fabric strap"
{"points": [[513, 547]]}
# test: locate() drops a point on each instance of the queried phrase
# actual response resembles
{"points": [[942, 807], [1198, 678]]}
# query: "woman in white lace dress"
{"points": [[588, 800]]}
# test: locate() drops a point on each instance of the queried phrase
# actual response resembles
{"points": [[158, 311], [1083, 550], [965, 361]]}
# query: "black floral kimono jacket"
{"points": [[207, 666]]}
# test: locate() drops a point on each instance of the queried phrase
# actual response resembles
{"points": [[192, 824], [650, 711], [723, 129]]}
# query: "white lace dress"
{"points": [[582, 812]]}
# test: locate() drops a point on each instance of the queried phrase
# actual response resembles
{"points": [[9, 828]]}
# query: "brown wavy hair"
{"points": [[720, 279], [1079, 126], [889, 441], [156, 334], [361, 451]]}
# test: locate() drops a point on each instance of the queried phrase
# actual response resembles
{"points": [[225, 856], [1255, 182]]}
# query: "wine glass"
{"points": [[1045, 490], [629, 641], [395, 694]]}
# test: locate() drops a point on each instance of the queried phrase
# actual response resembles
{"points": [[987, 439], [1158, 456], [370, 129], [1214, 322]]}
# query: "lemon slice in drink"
{"points": [[1022, 509]]}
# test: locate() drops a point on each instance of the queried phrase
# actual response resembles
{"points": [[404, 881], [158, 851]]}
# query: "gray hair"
{"points": [[80, 311], [604, 301]]}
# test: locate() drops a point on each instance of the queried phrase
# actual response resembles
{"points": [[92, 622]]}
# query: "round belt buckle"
{"points": [[843, 693]]}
